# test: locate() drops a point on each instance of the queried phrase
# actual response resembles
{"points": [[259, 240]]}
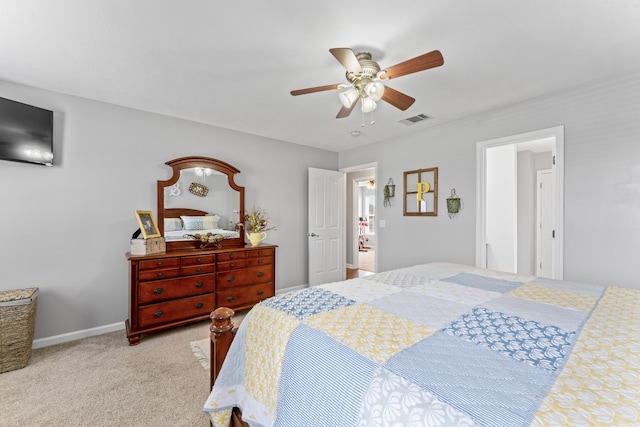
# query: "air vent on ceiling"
{"points": [[415, 119]]}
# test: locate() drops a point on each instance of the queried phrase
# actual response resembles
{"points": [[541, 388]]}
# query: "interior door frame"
{"points": [[354, 236], [557, 214]]}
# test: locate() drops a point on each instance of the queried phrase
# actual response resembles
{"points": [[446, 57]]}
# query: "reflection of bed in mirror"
{"points": [[181, 221]]}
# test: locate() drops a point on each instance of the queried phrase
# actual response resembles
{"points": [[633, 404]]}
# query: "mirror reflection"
{"points": [[200, 198], [204, 190]]}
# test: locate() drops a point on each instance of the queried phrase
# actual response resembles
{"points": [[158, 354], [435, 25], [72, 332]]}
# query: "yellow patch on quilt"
{"points": [[266, 337], [600, 384], [385, 335], [221, 418], [557, 297]]}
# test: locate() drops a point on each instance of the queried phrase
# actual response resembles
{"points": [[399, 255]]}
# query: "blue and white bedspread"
{"points": [[436, 345]]}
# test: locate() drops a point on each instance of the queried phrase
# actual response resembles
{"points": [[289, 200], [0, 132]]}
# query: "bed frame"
{"points": [[222, 333], [178, 212]]}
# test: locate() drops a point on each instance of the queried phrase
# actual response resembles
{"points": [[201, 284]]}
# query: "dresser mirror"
{"points": [[200, 197]]}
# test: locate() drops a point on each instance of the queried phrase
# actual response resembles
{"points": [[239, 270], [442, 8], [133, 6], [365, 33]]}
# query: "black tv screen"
{"points": [[26, 133]]}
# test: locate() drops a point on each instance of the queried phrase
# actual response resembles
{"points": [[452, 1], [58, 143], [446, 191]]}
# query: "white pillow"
{"points": [[172, 224], [207, 222]]}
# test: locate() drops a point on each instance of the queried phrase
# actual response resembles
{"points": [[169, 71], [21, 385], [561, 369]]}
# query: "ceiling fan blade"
{"points": [[347, 58], [397, 99], [419, 63], [315, 89], [345, 111]]}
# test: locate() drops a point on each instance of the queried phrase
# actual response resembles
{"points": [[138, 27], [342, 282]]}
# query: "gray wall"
{"points": [[66, 228], [602, 181]]}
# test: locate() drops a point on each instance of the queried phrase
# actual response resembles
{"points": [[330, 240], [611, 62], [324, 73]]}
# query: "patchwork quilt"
{"points": [[436, 345]]}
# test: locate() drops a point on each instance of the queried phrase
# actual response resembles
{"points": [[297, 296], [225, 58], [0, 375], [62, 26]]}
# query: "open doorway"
{"points": [[362, 244], [366, 213], [516, 232]]}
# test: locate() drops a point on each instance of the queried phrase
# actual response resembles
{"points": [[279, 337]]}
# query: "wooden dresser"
{"points": [[183, 286]]}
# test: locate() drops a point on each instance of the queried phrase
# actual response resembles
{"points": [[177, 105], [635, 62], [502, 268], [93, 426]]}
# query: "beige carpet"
{"points": [[202, 348], [102, 381], [367, 260]]}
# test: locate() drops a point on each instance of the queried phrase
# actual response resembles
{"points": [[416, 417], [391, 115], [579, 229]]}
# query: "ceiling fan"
{"points": [[365, 79]]}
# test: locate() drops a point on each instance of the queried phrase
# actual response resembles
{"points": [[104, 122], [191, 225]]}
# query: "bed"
{"points": [[181, 221], [431, 345]]}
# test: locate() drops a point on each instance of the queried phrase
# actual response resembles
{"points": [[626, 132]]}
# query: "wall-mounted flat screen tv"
{"points": [[26, 133]]}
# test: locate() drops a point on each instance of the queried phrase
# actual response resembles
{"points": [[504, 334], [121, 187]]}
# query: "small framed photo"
{"points": [[147, 224]]}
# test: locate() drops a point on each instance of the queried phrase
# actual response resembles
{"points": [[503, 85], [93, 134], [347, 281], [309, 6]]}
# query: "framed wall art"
{"points": [[421, 192]]}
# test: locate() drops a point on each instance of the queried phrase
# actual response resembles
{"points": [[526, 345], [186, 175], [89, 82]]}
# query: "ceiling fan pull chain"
{"points": [[362, 123], [373, 121]]}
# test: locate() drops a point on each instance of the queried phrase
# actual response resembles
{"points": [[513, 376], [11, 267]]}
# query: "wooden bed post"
{"points": [[222, 333]]}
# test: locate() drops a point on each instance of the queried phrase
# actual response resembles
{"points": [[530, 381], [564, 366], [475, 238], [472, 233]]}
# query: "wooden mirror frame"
{"points": [[200, 162]]}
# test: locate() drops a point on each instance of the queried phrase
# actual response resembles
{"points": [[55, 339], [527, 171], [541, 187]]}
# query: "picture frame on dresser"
{"points": [[147, 223]]}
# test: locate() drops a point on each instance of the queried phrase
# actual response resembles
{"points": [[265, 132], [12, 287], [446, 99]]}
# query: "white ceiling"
{"points": [[232, 64]]}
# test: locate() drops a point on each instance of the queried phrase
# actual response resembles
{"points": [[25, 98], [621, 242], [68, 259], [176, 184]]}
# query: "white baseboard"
{"points": [[85, 333], [292, 288], [76, 335]]}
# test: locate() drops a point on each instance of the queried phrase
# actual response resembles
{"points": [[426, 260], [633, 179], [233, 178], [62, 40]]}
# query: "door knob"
{"points": [[313, 235]]}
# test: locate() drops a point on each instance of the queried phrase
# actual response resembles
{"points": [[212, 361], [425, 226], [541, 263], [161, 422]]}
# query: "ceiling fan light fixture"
{"points": [[348, 97], [374, 90], [368, 105]]}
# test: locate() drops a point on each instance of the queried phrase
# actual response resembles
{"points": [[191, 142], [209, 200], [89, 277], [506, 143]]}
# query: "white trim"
{"points": [[355, 250], [558, 213], [76, 335], [291, 288], [99, 330]]}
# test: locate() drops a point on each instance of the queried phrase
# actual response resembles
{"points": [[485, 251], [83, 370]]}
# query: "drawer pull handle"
{"points": [[157, 291], [157, 314], [199, 260], [230, 298], [159, 273], [260, 261], [233, 264], [231, 279], [260, 292], [199, 269], [199, 305], [159, 263], [199, 284], [260, 274]]}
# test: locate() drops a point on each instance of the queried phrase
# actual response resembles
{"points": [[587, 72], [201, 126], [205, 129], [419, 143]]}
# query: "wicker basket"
{"points": [[17, 322]]}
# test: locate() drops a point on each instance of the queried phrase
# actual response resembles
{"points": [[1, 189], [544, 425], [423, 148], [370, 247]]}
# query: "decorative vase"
{"points": [[256, 238]]}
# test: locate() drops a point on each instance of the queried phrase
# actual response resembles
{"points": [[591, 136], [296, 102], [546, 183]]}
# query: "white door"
{"points": [[326, 233], [544, 229]]}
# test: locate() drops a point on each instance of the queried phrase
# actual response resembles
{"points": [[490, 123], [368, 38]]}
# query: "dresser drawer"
{"points": [[249, 276], [260, 253], [159, 263], [232, 265], [166, 273], [245, 296], [162, 290], [198, 269], [257, 262], [185, 308], [232, 256], [197, 260]]}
